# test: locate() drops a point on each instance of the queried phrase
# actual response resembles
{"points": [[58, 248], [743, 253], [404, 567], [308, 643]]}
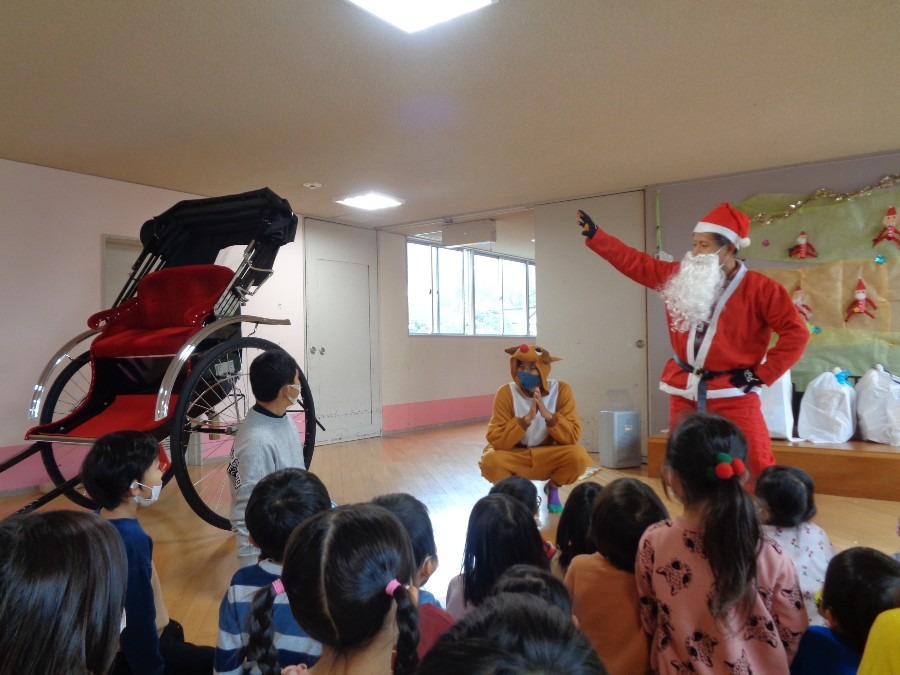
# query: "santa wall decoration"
{"points": [[889, 231], [799, 300], [838, 254], [860, 303], [803, 247]]}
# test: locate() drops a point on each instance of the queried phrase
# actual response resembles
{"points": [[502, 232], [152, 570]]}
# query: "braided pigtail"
{"points": [[408, 625], [261, 643]]}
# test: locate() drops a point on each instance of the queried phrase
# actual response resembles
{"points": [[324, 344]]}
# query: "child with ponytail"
{"points": [[347, 573], [716, 595], [256, 628]]}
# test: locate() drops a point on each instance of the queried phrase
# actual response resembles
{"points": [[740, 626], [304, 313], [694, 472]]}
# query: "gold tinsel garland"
{"points": [[825, 195]]}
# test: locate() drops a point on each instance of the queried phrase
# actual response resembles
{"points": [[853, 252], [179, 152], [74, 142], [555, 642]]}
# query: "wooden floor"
{"points": [[439, 466]]}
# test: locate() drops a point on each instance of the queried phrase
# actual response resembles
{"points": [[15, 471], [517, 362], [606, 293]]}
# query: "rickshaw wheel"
{"points": [[63, 460], [213, 403]]}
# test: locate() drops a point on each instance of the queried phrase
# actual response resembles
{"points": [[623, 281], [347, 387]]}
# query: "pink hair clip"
{"points": [[278, 586], [392, 586]]}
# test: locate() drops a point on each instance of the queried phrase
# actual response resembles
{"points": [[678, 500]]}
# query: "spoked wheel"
{"points": [[63, 460], [212, 405]]}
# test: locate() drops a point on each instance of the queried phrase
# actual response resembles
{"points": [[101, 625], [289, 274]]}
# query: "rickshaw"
{"points": [[171, 356]]}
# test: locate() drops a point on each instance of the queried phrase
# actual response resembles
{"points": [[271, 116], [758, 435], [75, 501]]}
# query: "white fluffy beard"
{"points": [[692, 292]]}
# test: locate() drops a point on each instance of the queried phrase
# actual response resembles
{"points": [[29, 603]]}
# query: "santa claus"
{"points": [[721, 318]]}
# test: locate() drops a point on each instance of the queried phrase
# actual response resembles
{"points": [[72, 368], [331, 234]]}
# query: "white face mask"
{"points": [[154, 494]]}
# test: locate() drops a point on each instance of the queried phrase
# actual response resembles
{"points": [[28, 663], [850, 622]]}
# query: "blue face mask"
{"points": [[529, 381]]}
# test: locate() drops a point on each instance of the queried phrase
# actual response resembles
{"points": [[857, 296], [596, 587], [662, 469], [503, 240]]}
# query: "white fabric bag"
{"points": [[828, 409], [878, 406], [777, 410]]}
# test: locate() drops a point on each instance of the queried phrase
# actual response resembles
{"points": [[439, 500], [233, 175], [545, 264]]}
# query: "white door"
{"points": [[341, 330]]}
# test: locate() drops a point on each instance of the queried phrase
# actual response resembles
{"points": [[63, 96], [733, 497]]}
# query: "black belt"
{"points": [[704, 376]]}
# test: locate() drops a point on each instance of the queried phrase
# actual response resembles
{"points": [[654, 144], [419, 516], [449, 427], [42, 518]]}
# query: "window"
{"points": [[468, 292]]}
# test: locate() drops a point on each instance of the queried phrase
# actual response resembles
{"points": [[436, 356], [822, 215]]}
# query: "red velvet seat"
{"points": [[169, 307]]}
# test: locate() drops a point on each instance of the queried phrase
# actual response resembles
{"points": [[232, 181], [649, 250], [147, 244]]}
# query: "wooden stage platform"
{"points": [[854, 469]]}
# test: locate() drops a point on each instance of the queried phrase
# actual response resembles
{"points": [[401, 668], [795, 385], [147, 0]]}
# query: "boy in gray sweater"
{"points": [[267, 439]]}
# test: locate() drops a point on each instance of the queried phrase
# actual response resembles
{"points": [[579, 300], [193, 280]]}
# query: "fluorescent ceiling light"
{"points": [[371, 201], [415, 15]]}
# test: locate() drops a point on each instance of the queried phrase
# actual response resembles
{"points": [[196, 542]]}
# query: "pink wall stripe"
{"points": [[430, 413], [29, 473]]}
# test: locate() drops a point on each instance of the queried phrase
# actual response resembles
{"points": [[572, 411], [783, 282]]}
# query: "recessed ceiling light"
{"points": [[415, 15], [312, 186], [371, 201]]}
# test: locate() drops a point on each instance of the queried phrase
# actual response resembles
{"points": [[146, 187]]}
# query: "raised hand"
{"points": [[588, 229]]}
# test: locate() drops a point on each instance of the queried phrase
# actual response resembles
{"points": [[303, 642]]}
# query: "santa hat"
{"points": [[802, 233], [732, 224], [539, 356], [891, 211], [860, 286]]}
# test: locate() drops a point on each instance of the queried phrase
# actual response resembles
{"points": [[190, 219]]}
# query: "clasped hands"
{"points": [[537, 406]]}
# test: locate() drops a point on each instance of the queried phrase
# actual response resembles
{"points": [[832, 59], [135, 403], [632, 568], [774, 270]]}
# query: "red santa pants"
{"points": [[745, 412]]}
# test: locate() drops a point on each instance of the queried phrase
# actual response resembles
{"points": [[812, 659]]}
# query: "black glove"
{"points": [[588, 229], [745, 380]]}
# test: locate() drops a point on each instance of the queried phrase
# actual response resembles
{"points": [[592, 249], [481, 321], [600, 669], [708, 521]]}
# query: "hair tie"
{"points": [[726, 467], [278, 586], [392, 586]]}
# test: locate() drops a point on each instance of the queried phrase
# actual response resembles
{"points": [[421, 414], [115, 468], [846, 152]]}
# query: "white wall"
{"points": [[52, 224], [423, 367], [590, 315]]}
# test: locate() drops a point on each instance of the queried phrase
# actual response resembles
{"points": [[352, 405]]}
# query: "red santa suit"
{"points": [[751, 307]]}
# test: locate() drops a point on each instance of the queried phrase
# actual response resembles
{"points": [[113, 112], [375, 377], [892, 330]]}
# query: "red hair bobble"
{"points": [[727, 467]]}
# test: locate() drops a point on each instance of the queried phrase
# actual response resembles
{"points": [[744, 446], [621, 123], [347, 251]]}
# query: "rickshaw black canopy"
{"points": [[194, 231]]}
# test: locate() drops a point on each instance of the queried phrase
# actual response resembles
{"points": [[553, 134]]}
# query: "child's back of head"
{"points": [[705, 462], [518, 488], [787, 495], [624, 509], [279, 502], [501, 533], [345, 571], [860, 584], [513, 633], [535, 581], [572, 532], [63, 576], [413, 515]]}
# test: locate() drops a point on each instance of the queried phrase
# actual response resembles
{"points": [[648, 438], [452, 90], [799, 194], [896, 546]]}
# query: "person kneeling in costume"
{"points": [[534, 428]]}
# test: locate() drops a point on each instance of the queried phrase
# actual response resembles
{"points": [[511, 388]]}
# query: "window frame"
{"points": [[468, 285]]}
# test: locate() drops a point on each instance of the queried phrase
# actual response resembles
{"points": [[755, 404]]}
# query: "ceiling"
{"points": [[525, 102]]}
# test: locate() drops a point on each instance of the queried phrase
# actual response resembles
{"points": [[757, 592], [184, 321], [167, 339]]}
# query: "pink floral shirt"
{"points": [[675, 582], [811, 550]]}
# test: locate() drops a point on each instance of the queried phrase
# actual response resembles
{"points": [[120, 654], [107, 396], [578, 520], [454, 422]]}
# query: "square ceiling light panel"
{"points": [[416, 15]]}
